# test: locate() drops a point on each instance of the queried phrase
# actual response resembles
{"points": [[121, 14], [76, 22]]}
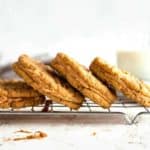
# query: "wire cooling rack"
{"points": [[122, 107]]}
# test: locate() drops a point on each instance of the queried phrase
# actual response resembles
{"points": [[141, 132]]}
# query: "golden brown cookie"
{"points": [[17, 94], [15, 88], [122, 81], [43, 79], [7, 102], [81, 79]]}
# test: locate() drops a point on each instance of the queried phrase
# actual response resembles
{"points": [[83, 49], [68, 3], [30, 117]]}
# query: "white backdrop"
{"points": [[78, 27]]}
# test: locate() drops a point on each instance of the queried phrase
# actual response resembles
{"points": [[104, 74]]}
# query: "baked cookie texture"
{"points": [[17, 94], [83, 80], [123, 81], [10, 102], [43, 79], [15, 88]]}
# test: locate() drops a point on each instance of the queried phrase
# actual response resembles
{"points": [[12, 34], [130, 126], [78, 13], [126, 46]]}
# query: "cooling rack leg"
{"points": [[134, 120], [129, 121], [32, 109]]}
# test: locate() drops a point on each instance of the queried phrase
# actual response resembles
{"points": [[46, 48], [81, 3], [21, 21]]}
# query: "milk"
{"points": [[136, 62]]}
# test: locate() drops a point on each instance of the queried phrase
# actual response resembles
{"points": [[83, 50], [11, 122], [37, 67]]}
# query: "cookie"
{"points": [[43, 79], [17, 94], [83, 80], [123, 81], [7, 102], [15, 88]]}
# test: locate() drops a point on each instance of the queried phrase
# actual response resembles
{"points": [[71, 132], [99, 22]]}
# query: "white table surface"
{"points": [[75, 134]]}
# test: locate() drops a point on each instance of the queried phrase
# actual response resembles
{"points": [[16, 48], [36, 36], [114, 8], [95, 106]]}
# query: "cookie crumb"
{"points": [[22, 131], [32, 135], [36, 135], [94, 133]]}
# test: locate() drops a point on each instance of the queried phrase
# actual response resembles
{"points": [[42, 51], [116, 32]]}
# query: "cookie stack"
{"points": [[69, 85], [91, 83], [67, 82], [47, 82]]}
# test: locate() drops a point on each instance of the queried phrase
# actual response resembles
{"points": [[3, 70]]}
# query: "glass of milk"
{"points": [[136, 62]]}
